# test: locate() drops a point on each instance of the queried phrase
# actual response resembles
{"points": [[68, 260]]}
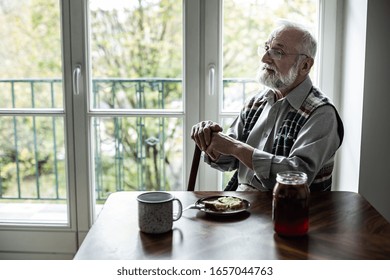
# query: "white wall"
{"points": [[365, 102], [375, 153]]}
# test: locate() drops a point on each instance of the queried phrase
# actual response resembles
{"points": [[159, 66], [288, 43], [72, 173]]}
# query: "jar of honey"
{"points": [[290, 205]]}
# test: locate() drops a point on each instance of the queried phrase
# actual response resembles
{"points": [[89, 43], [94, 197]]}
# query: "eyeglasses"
{"points": [[275, 54]]}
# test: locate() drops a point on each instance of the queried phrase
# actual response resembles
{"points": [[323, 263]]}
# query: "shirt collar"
{"points": [[271, 96], [299, 93]]}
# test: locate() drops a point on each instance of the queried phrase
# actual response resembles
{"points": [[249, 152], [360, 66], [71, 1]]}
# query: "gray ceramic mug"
{"points": [[155, 212]]}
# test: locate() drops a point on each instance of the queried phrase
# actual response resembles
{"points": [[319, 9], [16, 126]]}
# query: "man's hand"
{"points": [[210, 139], [222, 144], [202, 132]]}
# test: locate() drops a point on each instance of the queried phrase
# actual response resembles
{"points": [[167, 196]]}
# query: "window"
{"points": [[33, 161]]}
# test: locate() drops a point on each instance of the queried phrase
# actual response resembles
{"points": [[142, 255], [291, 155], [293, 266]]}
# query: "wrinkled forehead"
{"points": [[285, 38]]}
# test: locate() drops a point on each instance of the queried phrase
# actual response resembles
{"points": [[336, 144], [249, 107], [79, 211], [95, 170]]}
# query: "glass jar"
{"points": [[290, 205]]}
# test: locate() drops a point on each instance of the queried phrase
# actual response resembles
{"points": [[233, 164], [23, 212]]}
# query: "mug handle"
{"points": [[177, 215]]}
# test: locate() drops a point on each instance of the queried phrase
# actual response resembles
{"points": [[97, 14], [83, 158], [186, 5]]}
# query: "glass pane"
{"points": [[235, 91], [136, 56], [31, 93], [136, 50], [30, 54], [33, 169], [247, 24], [137, 153], [33, 180], [110, 93]]}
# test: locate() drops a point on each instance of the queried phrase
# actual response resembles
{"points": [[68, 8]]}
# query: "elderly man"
{"points": [[291, 125]]}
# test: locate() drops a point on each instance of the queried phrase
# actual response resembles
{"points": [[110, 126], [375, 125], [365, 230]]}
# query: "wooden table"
{"points": [[343, 225]]}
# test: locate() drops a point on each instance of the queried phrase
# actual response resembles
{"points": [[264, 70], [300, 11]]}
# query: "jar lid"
{"points": [[291, 177]]}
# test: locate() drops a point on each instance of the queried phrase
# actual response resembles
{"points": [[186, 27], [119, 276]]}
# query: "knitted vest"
{"points": [[288, 133]]}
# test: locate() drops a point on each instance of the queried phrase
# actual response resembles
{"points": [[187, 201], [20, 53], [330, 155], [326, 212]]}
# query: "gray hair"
{"points": [[309, 42]]}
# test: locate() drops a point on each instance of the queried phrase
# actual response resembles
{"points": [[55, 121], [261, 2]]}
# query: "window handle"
{"points": [[211, 79], [76, 79]]}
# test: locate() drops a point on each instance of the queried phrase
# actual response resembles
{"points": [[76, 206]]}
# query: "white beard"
{"points": [[275, 80]]}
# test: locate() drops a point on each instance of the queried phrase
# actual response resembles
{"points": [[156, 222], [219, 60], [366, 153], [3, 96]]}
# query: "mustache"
{"points": [[266, 66]]}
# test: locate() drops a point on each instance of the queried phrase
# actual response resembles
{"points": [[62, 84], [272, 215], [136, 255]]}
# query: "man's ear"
{"points": [[306, 65]]}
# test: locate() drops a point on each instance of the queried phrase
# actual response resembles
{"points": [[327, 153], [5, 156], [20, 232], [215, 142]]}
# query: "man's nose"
{"points": [[266, 58]]}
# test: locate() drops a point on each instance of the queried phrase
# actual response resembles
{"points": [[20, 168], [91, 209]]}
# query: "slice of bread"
{"points": [[215, 205], [225, 203], [233, 203]]}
